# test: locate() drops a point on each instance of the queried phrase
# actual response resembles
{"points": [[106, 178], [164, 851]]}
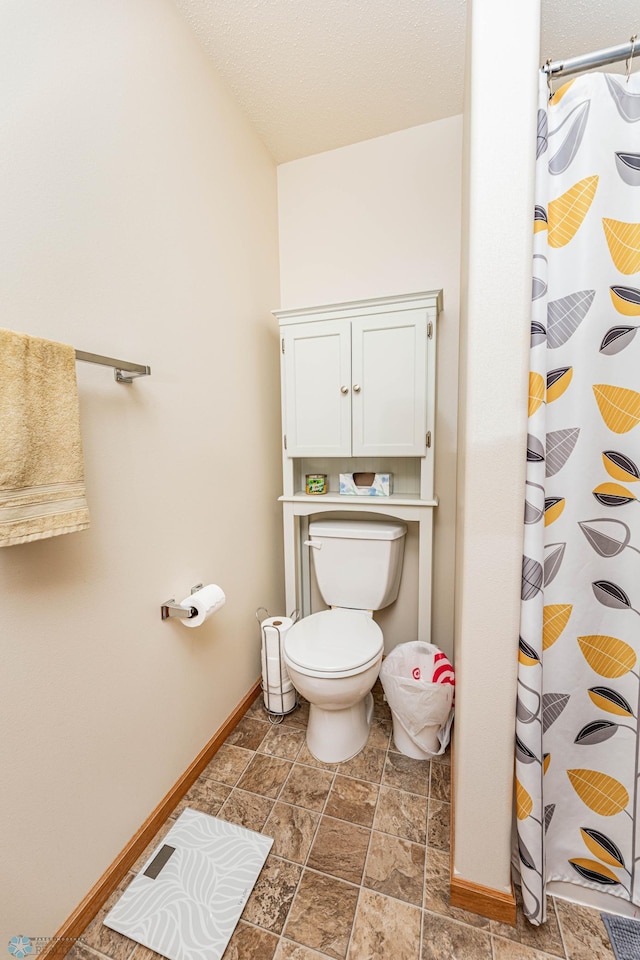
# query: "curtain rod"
{"points": [[587, 61], [124, 372]]}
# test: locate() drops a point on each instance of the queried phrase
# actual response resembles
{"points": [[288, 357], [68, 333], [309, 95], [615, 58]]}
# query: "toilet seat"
{"points": [[334, 643]]}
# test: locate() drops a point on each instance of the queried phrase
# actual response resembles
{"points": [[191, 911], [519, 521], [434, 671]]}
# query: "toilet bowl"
{"points": [[333, 658]]}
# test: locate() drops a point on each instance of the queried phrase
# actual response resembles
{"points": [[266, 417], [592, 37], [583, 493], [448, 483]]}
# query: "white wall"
{"points": [[376, 218], [139, 220], [499, 153]]}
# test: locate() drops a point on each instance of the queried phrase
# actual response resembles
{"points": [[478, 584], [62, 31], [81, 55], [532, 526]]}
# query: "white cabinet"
{"points": [[356, 381], [317, 389], [358, 394]]}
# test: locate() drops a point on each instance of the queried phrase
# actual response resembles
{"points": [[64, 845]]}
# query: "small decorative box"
{"points": [[366, 484], [316, 483]]}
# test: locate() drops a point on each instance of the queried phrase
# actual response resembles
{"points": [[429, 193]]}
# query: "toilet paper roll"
{"points": [[279, 702], [206, 601], [273, 670], [274, 630]]}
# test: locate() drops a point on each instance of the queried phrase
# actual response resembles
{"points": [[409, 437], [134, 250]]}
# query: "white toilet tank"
{"points": [[358, 563]]}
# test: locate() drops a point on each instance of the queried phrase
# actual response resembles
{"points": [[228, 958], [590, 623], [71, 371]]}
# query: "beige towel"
{"points": [[42, 490]]}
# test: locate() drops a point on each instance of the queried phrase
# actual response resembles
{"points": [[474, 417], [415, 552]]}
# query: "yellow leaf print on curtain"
{"points": [[565, 215], [600, 792], [536, 392], [626, 300], [620, 467], [555, 617], [524, 803], [613, 495], [560, 92], [624, 244], [608, 656], [619, 406], [602, 848], [611, 701]]}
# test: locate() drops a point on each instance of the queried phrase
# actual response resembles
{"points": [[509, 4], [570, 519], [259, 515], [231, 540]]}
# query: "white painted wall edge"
{"points": [[498, 165]]}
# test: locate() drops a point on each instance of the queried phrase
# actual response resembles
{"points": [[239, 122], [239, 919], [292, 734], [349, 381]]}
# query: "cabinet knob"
{"points": [[356, 388], [344, 389]]}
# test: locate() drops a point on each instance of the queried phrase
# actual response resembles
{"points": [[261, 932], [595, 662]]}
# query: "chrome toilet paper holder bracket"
{"points": [[172, 609]]}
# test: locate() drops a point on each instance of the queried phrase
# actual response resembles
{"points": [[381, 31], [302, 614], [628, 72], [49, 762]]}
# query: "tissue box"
{"points": [[366, 484]]}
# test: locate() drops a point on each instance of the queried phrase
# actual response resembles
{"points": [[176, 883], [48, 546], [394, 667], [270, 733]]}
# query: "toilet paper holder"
{"points": [[172, 609]]}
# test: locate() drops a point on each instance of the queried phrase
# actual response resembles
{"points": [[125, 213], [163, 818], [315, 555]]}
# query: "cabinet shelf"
{"points": [[397, 499]]}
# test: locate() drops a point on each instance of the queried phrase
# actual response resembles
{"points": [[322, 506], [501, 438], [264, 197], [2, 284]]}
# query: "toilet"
{"points": [[333, 657]]}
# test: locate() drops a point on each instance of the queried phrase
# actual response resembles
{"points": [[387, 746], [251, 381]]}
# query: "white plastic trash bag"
{"points": [[418, 683]]}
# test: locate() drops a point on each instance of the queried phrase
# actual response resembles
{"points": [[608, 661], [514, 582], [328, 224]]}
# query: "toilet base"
{"points": [[334, 736]]}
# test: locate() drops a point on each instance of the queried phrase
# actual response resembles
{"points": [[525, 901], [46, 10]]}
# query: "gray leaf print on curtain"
{"points": [[543, 126], [628, 165], [569, 147], [617, 339], [552, 706], [525, 856], [549, 811], [531, 578], [523, 753], [535, 450], [560, 445], [607, 537], [554, 553], [627, 104], [539, 214], [539, 288], [597, 732], [592, 875], [613, 499], [523, 713], [611, 595], [538, 334], [533, 504], [565, 315], [539, 285]]}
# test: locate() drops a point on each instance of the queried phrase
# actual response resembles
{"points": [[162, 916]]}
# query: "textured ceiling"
{"points": [[313, 75]]}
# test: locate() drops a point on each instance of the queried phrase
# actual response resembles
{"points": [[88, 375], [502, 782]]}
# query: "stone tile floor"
{"points": [[359, 867]]}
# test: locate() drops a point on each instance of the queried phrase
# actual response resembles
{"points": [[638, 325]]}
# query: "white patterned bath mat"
{"points": [[188, 897]]}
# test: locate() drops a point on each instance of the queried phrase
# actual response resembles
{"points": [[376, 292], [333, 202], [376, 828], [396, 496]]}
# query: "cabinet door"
{"points": [[317, 389], [388, 369]]}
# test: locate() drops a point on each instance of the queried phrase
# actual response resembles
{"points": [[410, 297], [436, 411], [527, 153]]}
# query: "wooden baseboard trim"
{"points": [[485, 901], [75, 924], [490, 903]]}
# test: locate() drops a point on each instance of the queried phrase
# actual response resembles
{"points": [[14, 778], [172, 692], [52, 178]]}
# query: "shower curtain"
{"points": [[579, 648]]}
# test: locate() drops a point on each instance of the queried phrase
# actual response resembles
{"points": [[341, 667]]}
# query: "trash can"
{"points": [[418, 683]]}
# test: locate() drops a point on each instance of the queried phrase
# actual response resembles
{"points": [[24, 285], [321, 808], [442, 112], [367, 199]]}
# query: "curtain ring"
{"points": [[630, 58], [547, 64]]}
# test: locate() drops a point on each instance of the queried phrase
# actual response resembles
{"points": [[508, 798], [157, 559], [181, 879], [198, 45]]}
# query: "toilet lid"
{"points": [[333, 641]]}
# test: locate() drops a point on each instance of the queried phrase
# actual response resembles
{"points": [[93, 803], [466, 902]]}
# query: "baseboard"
{"points": [[490, 903], [73, 927], [485, 901]]}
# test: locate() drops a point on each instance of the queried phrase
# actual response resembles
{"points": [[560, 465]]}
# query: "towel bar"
{"points": [[124, 372]]}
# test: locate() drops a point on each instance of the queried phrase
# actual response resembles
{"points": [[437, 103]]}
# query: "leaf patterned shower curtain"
{"points": [[579, 651]]}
